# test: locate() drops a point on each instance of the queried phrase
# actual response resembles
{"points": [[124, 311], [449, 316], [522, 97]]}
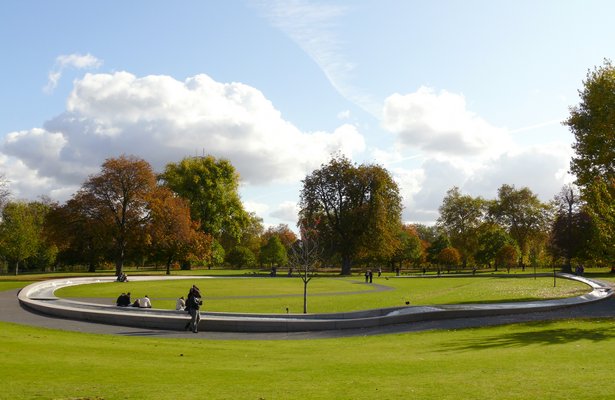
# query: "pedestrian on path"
{"points": [[193, 306]]}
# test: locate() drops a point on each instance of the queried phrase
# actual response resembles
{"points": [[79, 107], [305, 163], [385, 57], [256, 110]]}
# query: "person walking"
{"points": [[193, 306]]}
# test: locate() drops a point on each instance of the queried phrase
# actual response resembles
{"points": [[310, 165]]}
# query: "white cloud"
{"points": [[312, 25], [543, 169], [343, 114], [440, 123], [255, 207], [287, 212], [163, 120], [62, 62]]}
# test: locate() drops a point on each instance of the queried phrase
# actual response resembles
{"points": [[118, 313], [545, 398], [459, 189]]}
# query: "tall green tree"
{"points": [[592, 122], [460, 217], [572, 227], [356, 208], [273, 252], [523, 215], [20, 232], [211, 186], [491, 237]]}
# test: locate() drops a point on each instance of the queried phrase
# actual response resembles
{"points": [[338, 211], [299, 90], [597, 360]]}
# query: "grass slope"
{"points": [[554, 360]]}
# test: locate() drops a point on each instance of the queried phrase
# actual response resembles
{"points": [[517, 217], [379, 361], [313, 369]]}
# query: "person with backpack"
{"points": [[193, 306]]}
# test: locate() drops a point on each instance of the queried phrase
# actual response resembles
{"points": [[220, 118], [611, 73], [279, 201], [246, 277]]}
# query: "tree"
{"points": [[522, 214], [507, 256], [117, 198], [241, 256], [449, 256], [211, 187], [304, 256], [252, 233], [600, 197], [593, 124], [20, 232], [410, 248], [460, 217], [173, 233], [571, 230], [491, 237], [80, 238], [283, 232], [440, 243], [273, 252], [355, 208]]}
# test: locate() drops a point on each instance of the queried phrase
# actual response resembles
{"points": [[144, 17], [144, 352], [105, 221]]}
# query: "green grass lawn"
{"points": [[8, 285], [266, 295], [550, 360]]}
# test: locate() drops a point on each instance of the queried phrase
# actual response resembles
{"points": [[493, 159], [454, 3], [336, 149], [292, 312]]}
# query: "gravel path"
{"points": [[12, 311]]}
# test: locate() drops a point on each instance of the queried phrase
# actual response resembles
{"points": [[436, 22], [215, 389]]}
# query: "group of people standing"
{"points": [[192, 304]]}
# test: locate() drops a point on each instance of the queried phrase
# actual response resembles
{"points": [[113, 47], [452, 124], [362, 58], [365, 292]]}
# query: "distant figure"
{"points": [[371, 276], [122, 277], [366, 276], [123, 300], [180, 305], [193, 306], [379, 271]]}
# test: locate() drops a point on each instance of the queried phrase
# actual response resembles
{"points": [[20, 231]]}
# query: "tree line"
{"points": [[191, 215]]}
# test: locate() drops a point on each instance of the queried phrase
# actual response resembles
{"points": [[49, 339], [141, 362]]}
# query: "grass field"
{"points": [[570, 359], [265, 295], [551, 360]]}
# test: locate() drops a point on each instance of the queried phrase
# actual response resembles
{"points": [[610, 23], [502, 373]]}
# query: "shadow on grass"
{"points": [[536, 333]]}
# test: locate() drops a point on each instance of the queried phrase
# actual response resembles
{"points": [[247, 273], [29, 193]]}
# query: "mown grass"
{"points": [[266, 295], [554, 360]]}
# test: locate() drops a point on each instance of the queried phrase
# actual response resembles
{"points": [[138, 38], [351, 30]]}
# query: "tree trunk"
{"points": [[17, 268], [346, 265], [169, 261], [305, 283]]}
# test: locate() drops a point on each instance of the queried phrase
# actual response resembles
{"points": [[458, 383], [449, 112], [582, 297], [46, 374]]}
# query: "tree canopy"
{"points": [[592, 122], [117, 199], [354, 207], [460, 217], [211, 187]]}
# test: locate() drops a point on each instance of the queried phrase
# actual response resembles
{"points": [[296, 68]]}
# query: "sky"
{"points": [[441, 93]]}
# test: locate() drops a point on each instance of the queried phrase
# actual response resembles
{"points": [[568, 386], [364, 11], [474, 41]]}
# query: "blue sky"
{"points": [[441, 93]]}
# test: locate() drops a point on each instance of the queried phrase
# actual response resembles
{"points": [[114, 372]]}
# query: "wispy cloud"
{"points": [[313, 26], [536, 126], [62, 62]]}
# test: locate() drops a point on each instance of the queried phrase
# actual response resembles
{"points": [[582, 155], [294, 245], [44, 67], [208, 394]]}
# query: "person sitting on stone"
{"points": [[180, 305], [145, 302], [123, 300]]}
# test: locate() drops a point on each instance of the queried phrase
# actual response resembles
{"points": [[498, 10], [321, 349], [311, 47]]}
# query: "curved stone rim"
{"points": [[40, 297]]}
